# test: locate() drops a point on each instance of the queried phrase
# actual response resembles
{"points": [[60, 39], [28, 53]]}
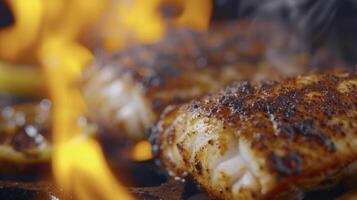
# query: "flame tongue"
{"points": [[78, 162], [87, 175]]}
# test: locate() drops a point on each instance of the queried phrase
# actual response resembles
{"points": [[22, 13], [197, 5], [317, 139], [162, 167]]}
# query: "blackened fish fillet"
{"points": [[266, 140]]}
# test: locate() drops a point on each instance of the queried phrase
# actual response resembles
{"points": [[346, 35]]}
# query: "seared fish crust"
{"points": [[269, 140], [129, 90]]}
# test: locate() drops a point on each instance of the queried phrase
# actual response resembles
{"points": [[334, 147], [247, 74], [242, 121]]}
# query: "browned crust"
{"points": [[295, 124]]}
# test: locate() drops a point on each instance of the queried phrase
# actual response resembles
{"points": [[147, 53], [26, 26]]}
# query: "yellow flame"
{"points": [[28, 15], [141, 20], [78, 161], [48, 32], [195, 14]]}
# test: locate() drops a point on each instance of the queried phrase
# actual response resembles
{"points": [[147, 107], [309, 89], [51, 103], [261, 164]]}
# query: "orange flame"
{"points": [[49, 32], [142, 151]]}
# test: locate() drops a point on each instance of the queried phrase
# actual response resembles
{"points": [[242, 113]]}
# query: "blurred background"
{"points": [[329, 25]]}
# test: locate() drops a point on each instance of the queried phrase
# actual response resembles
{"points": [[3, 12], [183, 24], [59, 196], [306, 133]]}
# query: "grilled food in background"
{"points": [[128, 90], [25, 135], [25, 141], [264, 140]]}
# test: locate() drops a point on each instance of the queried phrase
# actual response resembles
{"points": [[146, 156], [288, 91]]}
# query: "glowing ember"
{"points": [[48, 33], [142, 151]]}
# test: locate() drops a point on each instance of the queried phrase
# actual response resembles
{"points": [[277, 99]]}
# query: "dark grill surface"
{"points": [[168, 189]]}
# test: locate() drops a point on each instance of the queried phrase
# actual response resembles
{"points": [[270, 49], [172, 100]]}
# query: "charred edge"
{"points": [[308, 129], [195, 104], [236, 103], [286, 165], [198, 167]]}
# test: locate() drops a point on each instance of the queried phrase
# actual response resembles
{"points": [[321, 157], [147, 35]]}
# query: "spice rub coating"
{"points": [[265, 140]]}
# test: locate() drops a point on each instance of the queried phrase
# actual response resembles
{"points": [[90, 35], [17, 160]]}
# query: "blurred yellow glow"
{"points": [[22, 80], [15, 39], [142, 20], [142, 151], [195, 14]]}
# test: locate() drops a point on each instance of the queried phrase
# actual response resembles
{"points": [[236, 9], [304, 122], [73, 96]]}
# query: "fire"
{"points": [[24, 24], [78, 161], [49, 33], [142, 20]]}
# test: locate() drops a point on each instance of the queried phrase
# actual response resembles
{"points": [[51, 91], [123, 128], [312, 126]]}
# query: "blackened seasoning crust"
{"points": [[308, 128], [264, 140], [286, 165]]}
